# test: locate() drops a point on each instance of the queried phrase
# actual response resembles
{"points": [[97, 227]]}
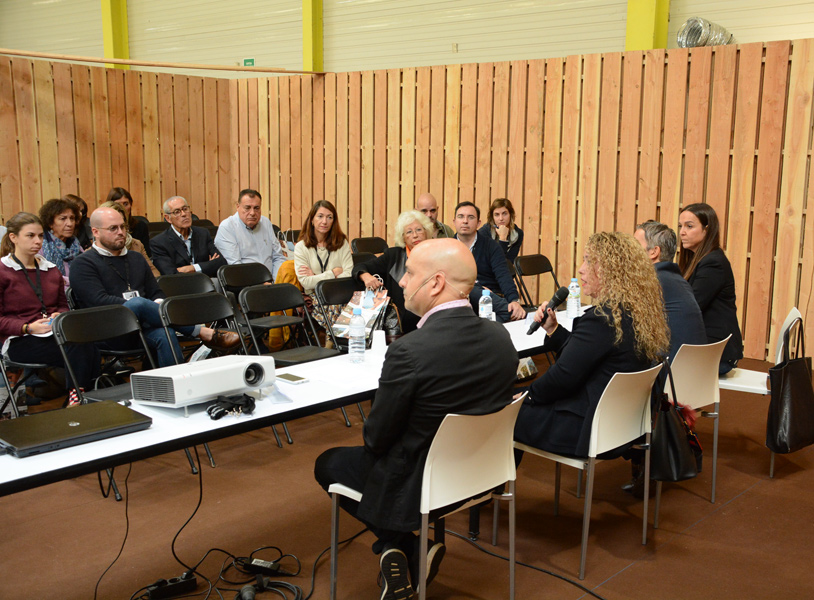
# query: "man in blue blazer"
{"points": [[183, 248]]}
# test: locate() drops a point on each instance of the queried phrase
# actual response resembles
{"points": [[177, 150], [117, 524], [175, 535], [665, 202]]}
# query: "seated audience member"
{"points": [[137, 227], [429, 206], [32, 293], [683, 315], [82, 232], [109, 274], [501, 228], [322, 252], [625, 332], [131, 243], [704, 264], [183, 248], [387, 269], [493, 272], [59, 246], [248, 237], [439, 369]]}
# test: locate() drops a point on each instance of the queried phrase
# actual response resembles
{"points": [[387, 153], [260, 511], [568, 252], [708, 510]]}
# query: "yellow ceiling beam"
{"points": [[312, 35], [114, 31], [647, 22]]}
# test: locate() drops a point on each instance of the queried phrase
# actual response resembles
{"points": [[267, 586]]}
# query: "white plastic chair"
{"points": [[469, 457], [622, 416], [695, 374]]}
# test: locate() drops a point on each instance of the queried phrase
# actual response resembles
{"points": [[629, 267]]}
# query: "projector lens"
{"points": [[254, 374]]}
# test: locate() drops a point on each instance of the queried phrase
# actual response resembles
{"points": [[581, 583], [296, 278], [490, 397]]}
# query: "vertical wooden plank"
{"points": [[652, 95], [695, 152], [589, 155], [767, 176], [10, 186], [393, 150], [197, 141], [150, 207], [93, 142], [25, 109], [629, 142], [285, 154], [275, 198], [253, 125], [534, 163], [263, 145], [208, 203], [380, 154], [805, 300], [552, 133], [469, 104], [500, 131], [152, 151], [180, 96], [296, 154], [793, 185], [342, 148], [354, 154], [242, 113], [318, 161], [675, 99], [422, 131], [437, 129], [46, 129], [517, 137], [608, 140], [166, 133], [368, 199], [227, 196], [452, 144], [66, 129], [307, 145], [330, 137], [483, 138], [407, 201], [118, 134], [720, 131], [235, 183], [567, 227]]}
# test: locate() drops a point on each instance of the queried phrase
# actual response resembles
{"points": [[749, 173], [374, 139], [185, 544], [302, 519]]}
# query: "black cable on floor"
{"points": [[126, 529]]}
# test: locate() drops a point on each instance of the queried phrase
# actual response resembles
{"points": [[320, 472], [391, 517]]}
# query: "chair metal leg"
{"points": [[209, 455], [276, 436], [658, 505], [579, 482], [191, 462], [334, 541], [474, 523], [646, 488], [361, 411], [512, 530], [113, 485], [557, 473], [495, 516], [586, 515], [422, 557], [345, 414], [771, 466], [288, 437], [715, 449]]}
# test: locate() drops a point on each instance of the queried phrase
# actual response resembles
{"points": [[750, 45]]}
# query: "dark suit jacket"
{"points": [[169, 252], [456, 363], [714, 287], [558, 414], [683, 315]]}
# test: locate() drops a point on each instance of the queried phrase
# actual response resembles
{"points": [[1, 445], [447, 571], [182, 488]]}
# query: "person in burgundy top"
{"points": [[31, 295]]}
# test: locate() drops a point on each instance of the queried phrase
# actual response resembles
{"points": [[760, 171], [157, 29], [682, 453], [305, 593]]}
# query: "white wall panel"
{"points": [[375, 34], [217, 32], [59, 26], [748, 20]]}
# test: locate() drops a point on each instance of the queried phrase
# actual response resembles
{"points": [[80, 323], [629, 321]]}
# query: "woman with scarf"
{"points": [[59, 244]]}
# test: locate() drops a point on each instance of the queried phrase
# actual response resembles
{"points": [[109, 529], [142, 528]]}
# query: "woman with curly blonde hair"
{"points": [[626, 331]]}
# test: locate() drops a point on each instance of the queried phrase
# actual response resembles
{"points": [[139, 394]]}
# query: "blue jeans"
{"points": [[146, 312]]}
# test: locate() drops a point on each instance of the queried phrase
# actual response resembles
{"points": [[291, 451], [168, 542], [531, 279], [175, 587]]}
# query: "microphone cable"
{"points": [[126, 521]]}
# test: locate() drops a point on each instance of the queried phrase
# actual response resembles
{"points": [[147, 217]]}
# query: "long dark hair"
{"points": [[688, 259], [14, 225], [117, 193], [502, 203], [335, 238]]}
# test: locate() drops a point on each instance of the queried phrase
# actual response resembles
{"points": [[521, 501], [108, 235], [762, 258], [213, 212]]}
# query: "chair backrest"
{"points": [[180, 284], [270, 298], [793, 315], [469, 455], [337, 291], [374, 245], [69, 296], [96, 324], [237, 277], [695, 373], [623, 412], [291, 235], [155, 227], [362, 257], [191, 309], [531, 265]]}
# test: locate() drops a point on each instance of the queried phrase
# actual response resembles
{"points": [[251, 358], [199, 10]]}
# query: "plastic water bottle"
{"points": [[485, 306], [573, 305], [356, 343]]}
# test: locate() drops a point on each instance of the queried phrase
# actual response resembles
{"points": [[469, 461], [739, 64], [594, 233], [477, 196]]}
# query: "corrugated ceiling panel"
{"points": [[375, 34], [748, 20], [216, 32], [60, 26]]}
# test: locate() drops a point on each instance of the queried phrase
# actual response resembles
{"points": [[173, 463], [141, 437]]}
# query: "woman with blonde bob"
{"points": [[625, 332], [412, 228]]}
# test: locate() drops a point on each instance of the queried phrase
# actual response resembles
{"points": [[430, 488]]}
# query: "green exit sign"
{"points": [[248, 62]]}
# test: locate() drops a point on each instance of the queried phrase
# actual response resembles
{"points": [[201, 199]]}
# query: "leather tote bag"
{"points": [[672, 455], [790, 425]]}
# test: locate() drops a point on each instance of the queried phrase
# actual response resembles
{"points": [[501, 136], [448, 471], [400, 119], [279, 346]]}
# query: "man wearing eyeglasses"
{"points": [[183, 248]]}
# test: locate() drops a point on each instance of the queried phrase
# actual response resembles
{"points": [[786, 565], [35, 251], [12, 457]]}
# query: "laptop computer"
{"points": [[55, 429]]}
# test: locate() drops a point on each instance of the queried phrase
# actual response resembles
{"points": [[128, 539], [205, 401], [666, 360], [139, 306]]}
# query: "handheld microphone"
{"points": [[557, 299]]}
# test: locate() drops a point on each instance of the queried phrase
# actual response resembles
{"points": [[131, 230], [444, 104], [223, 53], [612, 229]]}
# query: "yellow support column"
{"points": [[312, 35], [647, 22], [114, 31]]}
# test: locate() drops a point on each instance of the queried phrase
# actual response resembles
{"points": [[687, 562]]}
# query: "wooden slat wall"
{"points": [[579, 144]]}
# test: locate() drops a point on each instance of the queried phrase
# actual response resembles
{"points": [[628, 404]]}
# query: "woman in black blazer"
{"points": [[705, 266], [626, 332]]}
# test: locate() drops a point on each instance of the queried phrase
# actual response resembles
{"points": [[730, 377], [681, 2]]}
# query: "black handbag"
{"points": [[674, 448], [790, 425]]}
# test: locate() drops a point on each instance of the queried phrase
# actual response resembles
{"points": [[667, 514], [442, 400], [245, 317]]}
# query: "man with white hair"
{"points": [[183, 248]]}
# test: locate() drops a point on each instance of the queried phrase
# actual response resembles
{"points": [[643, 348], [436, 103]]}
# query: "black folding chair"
{"points": [[7, 363], [362, 257], [532, 265], [374, 245], [157, 227], [181, 284]]}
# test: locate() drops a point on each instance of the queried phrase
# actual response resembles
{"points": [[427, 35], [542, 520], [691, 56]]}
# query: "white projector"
{"points": [[201, 381]]}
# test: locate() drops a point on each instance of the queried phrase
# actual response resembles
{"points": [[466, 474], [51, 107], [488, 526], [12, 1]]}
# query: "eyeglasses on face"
{"points": [[180, 211], [114, 228]]}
